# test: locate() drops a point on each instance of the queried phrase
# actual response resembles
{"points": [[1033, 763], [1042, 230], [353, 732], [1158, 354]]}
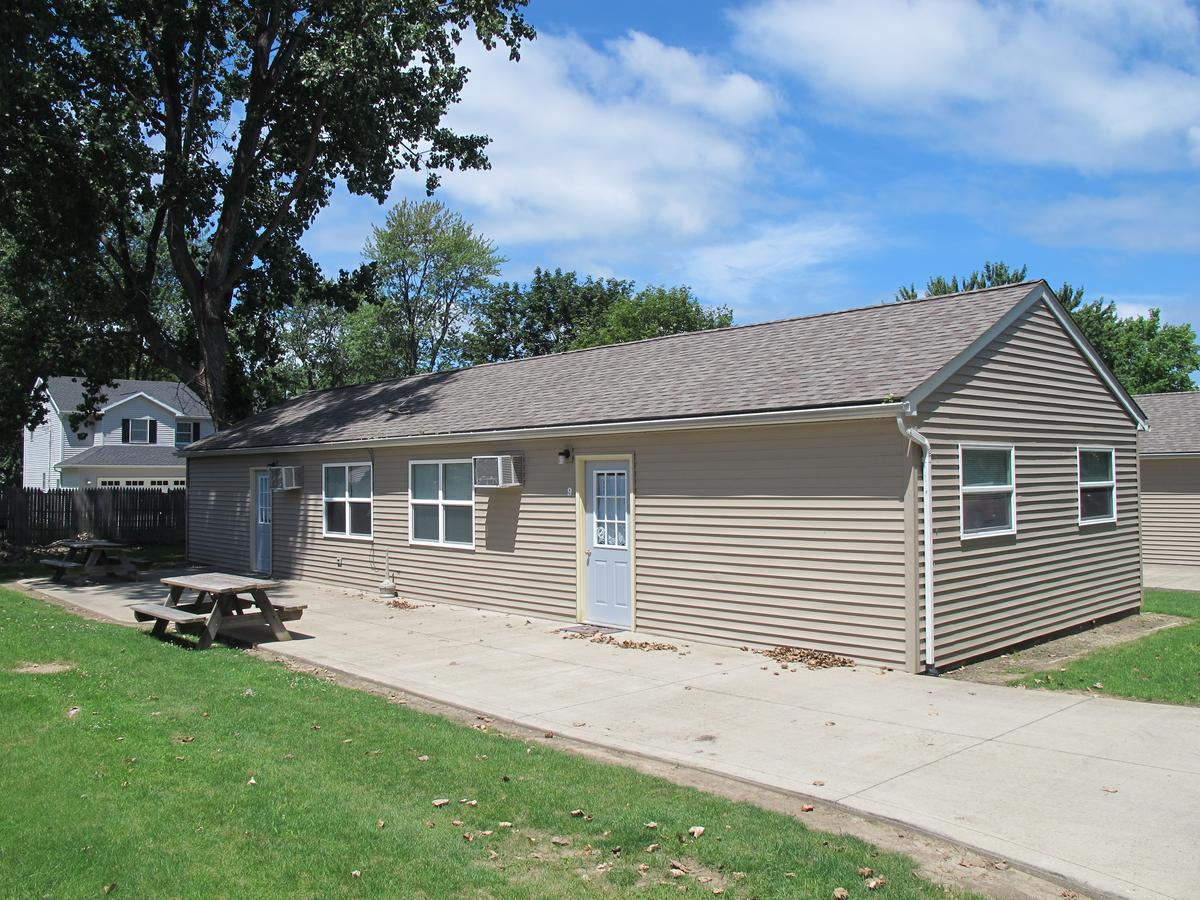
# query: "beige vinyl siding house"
{"points": [[1170, 478], [766, 491]]}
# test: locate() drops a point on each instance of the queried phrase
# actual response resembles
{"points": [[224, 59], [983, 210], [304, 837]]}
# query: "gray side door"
{"points": [[606, 544], [262, 522]]}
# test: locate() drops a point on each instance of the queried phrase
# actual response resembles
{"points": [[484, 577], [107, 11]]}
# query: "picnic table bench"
{"points": [[89, 558], [219, 605]]}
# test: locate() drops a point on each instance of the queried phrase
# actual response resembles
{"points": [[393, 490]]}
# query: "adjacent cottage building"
{"points": [[765, 484], [134, 443], [1170, 471]]}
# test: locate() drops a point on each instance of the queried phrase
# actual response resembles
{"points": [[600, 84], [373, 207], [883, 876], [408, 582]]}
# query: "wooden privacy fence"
{"points": [[136, 515]]}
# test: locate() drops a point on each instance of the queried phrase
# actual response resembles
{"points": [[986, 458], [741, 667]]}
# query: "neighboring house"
{"points": [[758, 485], [132, 444], [1170, 473]]}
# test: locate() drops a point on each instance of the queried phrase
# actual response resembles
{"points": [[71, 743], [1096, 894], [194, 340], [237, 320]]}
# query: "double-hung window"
{"points": [[139, 431], [348, 500], [1097, 485], [186, 433], [988, 491], [441, 503]]}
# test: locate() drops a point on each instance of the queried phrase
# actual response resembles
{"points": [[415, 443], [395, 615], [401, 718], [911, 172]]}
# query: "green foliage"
{"points": [[1145, 354], [548, 315], [557, 312], [431, 268], [653, 312], [993, 275], [216, 131]]}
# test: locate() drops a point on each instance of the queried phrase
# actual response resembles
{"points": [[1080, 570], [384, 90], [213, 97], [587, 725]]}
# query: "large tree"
{"points": [[214, 131], [1146, 354], [653, 312], [430, 268]]}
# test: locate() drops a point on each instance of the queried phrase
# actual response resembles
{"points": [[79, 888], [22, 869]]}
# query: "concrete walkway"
{"points": [[1176, 578], [1102, 792]]}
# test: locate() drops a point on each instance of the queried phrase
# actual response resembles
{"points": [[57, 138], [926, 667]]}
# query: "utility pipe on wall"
{"points": [[927, 514]]}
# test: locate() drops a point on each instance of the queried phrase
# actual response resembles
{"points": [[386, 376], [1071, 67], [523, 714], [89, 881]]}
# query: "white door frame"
{"points": [[581, 487], [254, 473]]}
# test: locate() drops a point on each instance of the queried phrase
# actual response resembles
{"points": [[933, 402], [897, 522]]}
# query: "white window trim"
{"points": [[964, 489], [189, 423], [1080, 484], [147, 420], [440, 502], [346, 535]]}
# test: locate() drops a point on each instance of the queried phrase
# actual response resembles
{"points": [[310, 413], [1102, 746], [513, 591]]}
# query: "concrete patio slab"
{"points": [[1017, 774], [1175, 578]]}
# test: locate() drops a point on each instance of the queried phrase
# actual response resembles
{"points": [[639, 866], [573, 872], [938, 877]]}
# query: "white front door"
{"points": [[606, 544], [262, 522]]}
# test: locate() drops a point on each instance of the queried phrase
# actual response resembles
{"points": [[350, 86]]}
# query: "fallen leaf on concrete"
{"points": [[1000, 864], [807, 807], [441, 802], [1109, 790], [818, 782], [548, 734], [578, 724], [813, 659]]}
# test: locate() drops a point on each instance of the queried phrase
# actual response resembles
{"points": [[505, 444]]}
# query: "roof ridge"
{"points": [[678, 335]]}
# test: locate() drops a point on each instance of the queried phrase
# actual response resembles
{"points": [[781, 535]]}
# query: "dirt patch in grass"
{"points": [[1058, 653], [46, 668]]}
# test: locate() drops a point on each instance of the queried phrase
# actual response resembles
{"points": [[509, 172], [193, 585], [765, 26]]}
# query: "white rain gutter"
{"points": [[927, 514]]}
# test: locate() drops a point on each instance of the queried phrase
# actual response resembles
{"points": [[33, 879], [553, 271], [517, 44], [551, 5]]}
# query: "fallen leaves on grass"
{"points": [[251, 781], [696, 830], [812, 659], [441, 801], [840, 894], [356, 874], [560, 842], [72, 712], [653, 848]]}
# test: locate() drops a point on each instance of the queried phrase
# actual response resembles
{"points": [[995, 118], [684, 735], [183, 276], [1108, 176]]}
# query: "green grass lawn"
{"points": [[216, 773], [1164, 667]]}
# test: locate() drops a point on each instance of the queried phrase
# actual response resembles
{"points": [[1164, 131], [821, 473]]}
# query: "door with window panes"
{"points": [[606, 544]]}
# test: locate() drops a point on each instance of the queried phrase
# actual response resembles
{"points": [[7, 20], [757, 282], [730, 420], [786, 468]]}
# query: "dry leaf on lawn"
{"points": [[440, 802], [696, 830]]}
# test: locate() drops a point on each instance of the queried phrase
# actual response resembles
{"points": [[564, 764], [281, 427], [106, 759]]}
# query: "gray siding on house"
{"points": [[761, 536], [1031, 388], [138, 408], [1171, 510], [36, 449]]}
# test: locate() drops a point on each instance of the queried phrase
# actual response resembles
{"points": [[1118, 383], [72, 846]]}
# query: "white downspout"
{"points": [[927, 514]]}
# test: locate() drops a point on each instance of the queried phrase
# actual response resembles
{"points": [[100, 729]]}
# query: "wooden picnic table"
{"points": [[219, 604], [91, 557]]}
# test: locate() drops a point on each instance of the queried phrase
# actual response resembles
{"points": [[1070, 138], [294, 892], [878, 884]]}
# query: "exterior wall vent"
{"points": [[498, 471], [286, 478]]}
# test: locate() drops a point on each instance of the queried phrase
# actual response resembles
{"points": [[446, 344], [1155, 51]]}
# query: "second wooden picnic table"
{"points": [[91, 557], [219, 605]]}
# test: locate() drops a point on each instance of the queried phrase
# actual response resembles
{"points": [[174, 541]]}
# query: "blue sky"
{"points": [[792, 156]]}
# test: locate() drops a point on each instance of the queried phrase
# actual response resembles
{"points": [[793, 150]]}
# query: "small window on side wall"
{"points": [[1097, 485], [987, 490], [348, 500]]}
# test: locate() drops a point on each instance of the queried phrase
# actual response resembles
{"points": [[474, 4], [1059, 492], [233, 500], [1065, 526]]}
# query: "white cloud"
{"points": [[1151, 218], [775, 261], [1093, 84], [635, 139]]}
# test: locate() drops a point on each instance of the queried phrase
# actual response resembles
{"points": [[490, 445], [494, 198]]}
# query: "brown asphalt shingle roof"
{"points": [[832, 359], [1174, 422]]}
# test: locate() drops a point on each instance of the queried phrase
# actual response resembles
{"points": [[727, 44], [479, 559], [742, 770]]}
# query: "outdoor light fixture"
{"points": [[564, 455]]}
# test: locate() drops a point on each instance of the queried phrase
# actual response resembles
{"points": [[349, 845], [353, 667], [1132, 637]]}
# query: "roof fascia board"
{"points": [[114, 405], [68, 464], [1179, 454], [1040, 293], [775, 417], [49, 396]]}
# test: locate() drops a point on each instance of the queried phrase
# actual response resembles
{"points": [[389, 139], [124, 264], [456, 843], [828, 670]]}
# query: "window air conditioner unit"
{"points": [[285, 478], [498, 471]]}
